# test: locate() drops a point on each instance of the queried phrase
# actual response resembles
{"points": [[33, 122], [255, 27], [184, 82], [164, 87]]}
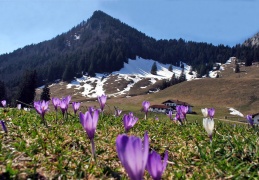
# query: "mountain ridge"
{"points": [[252, 41]]}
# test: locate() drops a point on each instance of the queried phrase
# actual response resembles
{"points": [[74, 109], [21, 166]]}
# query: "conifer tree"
{"points": [[28, 87], [190, 71], [91, 71], [45, 95], [173, 80], [2, 90], [237, 68], [182, 76], [68, 73], [170, 68], [154, 69]]}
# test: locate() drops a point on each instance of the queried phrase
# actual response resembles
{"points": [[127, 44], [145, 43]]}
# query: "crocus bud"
{"points": [[208, 125], [102, 100]]}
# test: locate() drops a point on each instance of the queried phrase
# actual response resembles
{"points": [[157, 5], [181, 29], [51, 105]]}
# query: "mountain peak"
{"points": [[99, 14]]}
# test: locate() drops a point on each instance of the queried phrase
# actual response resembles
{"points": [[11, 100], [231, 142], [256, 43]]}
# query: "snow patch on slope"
{"points": [[235, 112], [134, 70]]}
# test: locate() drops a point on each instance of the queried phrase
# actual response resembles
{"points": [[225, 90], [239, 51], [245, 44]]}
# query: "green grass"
{"points": [[30, 150]]}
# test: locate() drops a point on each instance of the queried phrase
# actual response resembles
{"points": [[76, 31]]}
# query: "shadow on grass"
{"points": [[109, 172], [5, 176], [36, 176]]}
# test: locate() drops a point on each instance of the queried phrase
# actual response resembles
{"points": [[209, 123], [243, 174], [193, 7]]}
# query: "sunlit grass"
{"points": [[31, 150]]}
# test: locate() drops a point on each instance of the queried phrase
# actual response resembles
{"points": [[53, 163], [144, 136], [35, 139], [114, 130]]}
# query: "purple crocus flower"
{"points": [[3, 103], [19, 106], [133, 154], [250, 120], [76, 106], [3, 126], [184, 110], [155, 166], [117, 112], [89, 123], [170, 114], [131, 113], [41, 107], [68, 99], [55, 102], [102, 100], [145, 105], [91, 109], [178, 108], [211, 112], [129, 121], [63, 106], [181, 112], [179, 117]]}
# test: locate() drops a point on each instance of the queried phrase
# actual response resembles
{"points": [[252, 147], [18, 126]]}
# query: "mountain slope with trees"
{"points": [[102, 44]]}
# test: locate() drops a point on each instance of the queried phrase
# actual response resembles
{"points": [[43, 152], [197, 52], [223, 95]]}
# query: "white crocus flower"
{"points": [[208, 124], [205, 112]]}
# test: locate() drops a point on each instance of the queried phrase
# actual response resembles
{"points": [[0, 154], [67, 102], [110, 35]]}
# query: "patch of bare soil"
{"points": [[116, 84]]}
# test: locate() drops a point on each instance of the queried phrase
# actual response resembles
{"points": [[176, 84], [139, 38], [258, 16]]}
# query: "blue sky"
{"points": [[227, 22]]}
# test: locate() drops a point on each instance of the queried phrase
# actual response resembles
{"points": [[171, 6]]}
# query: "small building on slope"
{"points": [[159, 108]]}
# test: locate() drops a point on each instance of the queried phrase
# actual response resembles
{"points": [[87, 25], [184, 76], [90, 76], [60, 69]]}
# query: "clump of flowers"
{"points": [[181, 112], [208, 122], [133, 154]]}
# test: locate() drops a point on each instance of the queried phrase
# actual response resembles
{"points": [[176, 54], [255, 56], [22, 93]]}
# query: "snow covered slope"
{"points": [[133, 72]]}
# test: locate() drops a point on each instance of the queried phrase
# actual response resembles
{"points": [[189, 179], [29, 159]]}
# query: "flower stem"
{"points": [[43, 120], [56, 117], [210, 138], [93, 149]]}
